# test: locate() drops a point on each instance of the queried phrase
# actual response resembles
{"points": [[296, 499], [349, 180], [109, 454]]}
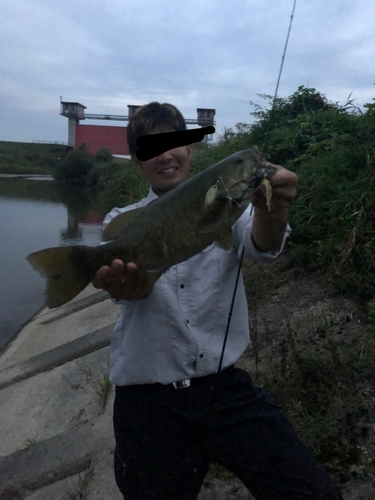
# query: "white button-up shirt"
{"points": [[177, 332]]}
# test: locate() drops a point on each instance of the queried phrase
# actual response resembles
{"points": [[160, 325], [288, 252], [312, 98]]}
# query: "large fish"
{"points": [[170, 230]]}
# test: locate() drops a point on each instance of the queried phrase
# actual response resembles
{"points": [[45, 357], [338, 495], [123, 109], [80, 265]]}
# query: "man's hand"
{"points": [[269, 226], [284, 190], [119, 280]]}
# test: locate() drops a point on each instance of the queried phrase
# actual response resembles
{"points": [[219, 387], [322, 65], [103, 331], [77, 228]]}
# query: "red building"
{"points": [[102, 136]]}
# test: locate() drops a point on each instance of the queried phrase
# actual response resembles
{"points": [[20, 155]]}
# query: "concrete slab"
{"points": [[102, 485], [73, 306], [57, 356], [49, 403], [64, 489], [46, 462], [58, 457], [40, 337]]}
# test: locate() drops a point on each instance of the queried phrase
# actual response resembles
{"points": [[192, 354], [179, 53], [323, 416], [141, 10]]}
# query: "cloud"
{"points": [[200, 53]]}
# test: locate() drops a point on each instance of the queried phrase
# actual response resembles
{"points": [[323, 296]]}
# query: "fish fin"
{"points": [[225, 241], [114, 228], [211, 196], [66, 271], [214, 216]]}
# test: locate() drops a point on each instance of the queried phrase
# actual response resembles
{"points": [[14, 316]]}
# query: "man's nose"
{"points": [[165, 157]]}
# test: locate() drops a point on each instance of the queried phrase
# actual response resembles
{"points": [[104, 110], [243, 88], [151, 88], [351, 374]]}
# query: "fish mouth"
{"points": [[246, 185], [238, 191], [265, 172], [251, 187], [254, 183]]}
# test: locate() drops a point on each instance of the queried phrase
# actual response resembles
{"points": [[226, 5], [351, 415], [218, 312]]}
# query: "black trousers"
{"points": [[166, 439]]}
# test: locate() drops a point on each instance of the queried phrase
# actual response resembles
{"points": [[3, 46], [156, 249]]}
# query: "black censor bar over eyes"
{"points": [[153, 145]]}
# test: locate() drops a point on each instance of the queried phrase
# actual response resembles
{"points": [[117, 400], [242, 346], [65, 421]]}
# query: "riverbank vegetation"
{"points": [[31, 158]]}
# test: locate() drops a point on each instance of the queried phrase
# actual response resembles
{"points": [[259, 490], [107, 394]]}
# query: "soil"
{"points": [[282, 296]]}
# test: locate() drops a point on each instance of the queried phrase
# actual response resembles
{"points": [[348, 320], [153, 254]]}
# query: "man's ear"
{"points": [[136, 162]]}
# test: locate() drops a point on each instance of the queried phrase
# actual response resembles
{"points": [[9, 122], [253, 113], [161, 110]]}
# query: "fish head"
{"points": [[242, 175]]}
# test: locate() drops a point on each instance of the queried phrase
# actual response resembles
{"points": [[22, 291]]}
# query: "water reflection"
{"points": [[81, 211], [36, 215], [72, 232]]}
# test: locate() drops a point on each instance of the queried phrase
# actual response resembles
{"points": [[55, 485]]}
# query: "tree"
{"points": [[104, 155], [76, 166]]}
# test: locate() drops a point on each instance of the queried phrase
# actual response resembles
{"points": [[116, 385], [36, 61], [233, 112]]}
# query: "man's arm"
{"points": [[268, 227]]}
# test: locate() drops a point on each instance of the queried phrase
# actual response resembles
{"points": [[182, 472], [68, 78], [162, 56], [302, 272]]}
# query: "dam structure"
{"points": [[108, 136]]}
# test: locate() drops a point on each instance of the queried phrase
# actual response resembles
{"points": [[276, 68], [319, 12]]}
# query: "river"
{"points": [[35, 214]]}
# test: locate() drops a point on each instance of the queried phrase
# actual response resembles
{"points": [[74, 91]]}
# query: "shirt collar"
{"points": [[151, 196]]}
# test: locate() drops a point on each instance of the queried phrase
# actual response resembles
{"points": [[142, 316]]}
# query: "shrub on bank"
{"points": [[76, 166], [115, 179], [122, 186]]}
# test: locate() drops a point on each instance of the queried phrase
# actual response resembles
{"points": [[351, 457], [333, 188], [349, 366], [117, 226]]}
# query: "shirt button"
{"points": [[182, 286], [201, 356]]}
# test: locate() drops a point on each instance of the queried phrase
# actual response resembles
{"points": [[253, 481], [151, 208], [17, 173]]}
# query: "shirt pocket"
{"points": [[206, 270]]}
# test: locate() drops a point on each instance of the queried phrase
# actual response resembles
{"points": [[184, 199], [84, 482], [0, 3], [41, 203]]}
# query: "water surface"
{"points": [[35, 214]]}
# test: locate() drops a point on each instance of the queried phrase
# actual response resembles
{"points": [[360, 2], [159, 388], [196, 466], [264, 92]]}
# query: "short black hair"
{"points": [[150, 116]]}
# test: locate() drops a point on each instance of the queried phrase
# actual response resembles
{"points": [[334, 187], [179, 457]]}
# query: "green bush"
{"points": [[331, 148], [76, 166], [122, 186]]}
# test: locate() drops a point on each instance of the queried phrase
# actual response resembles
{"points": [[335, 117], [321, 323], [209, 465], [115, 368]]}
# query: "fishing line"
{"points": [[215, 388]]}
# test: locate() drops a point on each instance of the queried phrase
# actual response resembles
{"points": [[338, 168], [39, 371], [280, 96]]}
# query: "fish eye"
{"points": [[239, 160]]}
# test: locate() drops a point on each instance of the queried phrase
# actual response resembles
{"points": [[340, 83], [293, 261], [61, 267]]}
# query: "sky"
{"points": [[219, 54]]}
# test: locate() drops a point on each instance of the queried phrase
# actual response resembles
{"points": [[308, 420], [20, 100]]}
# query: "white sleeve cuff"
{"points": [[242, 238]]}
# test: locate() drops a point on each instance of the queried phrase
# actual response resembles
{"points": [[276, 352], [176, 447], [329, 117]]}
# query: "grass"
{"points": [[317, 359], [78, 486], [96, 381], [325, 381], [31, 440], [30, 158]]}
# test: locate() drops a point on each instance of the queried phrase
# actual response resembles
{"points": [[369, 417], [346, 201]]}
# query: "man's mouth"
{"points": [[167, 170]]}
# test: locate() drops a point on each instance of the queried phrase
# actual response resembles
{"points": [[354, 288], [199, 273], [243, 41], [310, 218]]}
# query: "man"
{"points": [[173, 415]]}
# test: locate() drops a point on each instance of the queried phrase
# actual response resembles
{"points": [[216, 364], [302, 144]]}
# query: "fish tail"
{"points": [[67, 270]]}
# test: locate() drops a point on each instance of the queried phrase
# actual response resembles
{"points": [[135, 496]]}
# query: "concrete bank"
{"points": [[56, 408], [56, 404]]}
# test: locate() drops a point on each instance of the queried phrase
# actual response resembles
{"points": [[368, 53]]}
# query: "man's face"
{"points": [[168, 170]]}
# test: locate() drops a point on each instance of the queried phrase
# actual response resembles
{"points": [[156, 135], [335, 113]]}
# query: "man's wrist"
{"points": [[268, 229], [278, 213]]}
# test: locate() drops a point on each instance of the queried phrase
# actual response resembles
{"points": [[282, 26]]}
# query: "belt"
{"points": [[182, 384]]}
